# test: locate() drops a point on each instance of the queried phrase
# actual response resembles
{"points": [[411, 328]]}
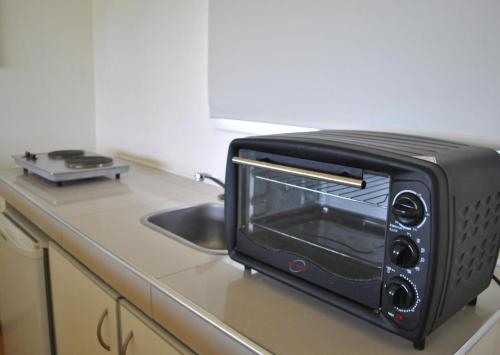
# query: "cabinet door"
{"points": [[84, 309], [140, 336]]}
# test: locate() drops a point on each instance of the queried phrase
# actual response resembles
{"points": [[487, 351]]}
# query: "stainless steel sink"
{"points": [[201, 226]]}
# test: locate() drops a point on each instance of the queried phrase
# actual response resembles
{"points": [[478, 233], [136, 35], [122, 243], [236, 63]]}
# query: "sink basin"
{"points": [[201, 227]]}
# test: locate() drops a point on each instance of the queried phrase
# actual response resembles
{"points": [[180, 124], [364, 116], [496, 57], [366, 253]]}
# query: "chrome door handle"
{"points": [[99, 328], [129, 337], [338, 179]]}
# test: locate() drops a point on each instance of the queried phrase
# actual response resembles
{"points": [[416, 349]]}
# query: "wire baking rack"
{"points": [[375, 193]]}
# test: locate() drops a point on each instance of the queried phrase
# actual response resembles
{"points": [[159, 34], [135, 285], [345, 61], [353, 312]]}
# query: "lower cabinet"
{"points": [[84, 310], [91, 318], [140, 336]]}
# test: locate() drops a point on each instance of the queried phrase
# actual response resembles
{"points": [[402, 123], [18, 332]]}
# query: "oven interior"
{"points": [[340, 229]]}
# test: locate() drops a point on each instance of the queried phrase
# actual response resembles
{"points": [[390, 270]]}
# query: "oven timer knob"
{"points": [[408, 209], [400, 293], [404, 252]]}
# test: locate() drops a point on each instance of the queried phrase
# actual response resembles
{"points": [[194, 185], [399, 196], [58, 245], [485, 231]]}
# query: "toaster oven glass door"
{"points": [[340, 229]]}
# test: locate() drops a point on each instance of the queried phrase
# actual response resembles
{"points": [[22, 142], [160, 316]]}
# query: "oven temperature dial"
{"points": [[408, 209], [404, 252], [400, 293]]}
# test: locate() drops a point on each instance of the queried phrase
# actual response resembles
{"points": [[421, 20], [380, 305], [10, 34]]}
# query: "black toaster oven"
{"points": [[399, 230]]}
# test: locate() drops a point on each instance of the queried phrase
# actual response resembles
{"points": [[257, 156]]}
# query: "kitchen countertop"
{"points": [[98, 221]]}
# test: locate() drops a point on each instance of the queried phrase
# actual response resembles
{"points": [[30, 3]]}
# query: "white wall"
{"points": [[46, 76], [151, 88]]}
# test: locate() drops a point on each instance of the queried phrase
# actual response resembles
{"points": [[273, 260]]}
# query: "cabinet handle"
{"points": [[129, 337], [99, 328]]}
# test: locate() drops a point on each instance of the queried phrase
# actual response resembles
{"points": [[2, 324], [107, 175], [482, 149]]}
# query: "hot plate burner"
{"points": [[70, 165], [65, 154], [88, 162]]}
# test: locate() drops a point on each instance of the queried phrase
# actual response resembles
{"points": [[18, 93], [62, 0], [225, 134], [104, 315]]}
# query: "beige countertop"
{"points": [[98, 221]]}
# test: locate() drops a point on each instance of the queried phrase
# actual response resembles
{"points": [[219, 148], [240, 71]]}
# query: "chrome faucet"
{"points": [[202, 176]]}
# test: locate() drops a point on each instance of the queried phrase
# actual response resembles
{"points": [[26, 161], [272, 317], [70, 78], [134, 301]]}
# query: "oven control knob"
{"points": [[408, 209], [400, 293], [404, 252]]}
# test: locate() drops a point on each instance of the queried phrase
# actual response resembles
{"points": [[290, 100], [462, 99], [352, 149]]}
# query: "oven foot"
{"points": [[59, 183], [247, 272], [473, 302], [419, 344], [117, 176], [25, 171]]}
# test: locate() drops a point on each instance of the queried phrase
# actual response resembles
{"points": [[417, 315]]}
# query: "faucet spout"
{"points": [[204, 176]]}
